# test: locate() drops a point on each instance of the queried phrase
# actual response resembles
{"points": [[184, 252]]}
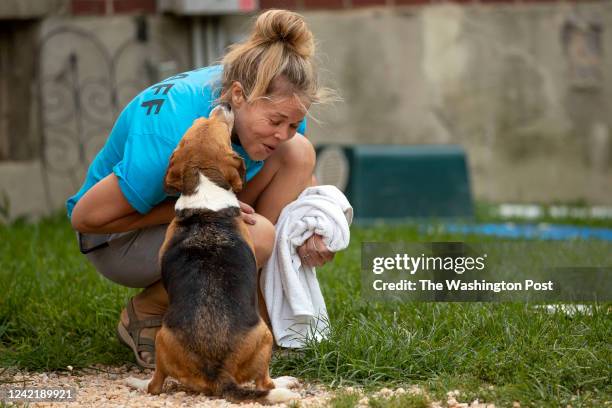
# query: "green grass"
{"points": [[344, 399], [400, 401], [347, 399], [56, 311]]}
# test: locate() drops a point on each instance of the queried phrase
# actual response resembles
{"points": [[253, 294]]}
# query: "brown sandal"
{"points": [[130, 335]]}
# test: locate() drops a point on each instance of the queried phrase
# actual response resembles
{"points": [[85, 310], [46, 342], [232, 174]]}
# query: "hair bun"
{"points": [[284, 26]]}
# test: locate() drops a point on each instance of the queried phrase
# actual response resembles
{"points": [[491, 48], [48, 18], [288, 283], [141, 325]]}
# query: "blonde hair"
{"points": [[278, 53]]}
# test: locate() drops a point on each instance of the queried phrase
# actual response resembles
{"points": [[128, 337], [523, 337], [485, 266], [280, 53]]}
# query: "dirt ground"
{"points": [[106, 387]]}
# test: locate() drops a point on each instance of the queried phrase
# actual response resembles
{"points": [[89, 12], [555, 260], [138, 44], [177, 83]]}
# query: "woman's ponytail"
{"points": [[280, 45]]}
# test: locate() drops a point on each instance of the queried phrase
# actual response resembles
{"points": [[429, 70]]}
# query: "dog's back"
{"points": [[213, 338], [210, 274]]}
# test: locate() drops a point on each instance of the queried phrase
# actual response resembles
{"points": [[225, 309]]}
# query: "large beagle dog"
{"points": [[212, 338]]}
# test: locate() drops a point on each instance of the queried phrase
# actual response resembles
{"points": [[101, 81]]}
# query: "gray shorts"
{"points": [[128, 258]]}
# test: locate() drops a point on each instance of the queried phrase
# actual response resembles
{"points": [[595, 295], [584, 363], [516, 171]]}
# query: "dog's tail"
{"points": [[233, 392]]}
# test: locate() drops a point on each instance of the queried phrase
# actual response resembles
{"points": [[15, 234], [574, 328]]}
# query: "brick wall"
{"points": [[108, 7]]}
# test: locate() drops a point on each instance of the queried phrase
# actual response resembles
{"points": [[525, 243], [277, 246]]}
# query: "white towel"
{"points": [[291, 290]]}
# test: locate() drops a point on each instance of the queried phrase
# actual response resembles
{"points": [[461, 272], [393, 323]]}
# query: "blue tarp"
{"points": [[533, 231]]}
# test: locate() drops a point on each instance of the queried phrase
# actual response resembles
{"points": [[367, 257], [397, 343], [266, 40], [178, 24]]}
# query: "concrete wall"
{"points": [[78, 57], [496, 80]]}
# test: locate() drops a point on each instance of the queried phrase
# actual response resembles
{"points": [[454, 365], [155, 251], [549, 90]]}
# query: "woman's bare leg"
{"points": [[151, 302], [283, 177]]}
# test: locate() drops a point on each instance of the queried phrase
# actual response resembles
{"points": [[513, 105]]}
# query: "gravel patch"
{"points": [[102, 386], [105, 387]]}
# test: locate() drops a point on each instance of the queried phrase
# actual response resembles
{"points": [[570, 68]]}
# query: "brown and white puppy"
{"points": [[212, 338]]}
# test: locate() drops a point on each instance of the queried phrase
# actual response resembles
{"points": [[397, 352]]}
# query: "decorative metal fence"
{"points": [[82, 84]]}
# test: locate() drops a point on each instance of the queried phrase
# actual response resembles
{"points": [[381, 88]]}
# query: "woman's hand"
{"points": [[313, 252], [246, 211]]}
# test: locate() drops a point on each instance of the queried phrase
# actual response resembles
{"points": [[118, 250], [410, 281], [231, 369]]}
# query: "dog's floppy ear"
{"points": [[173, 181], [191, 179], [238, 174]]}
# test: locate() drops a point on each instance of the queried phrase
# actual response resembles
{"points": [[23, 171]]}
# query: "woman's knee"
{"points": [[263, 236], [298, 153]]}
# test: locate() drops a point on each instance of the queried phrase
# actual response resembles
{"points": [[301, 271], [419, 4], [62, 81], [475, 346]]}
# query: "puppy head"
{"points": [[206, 148]]}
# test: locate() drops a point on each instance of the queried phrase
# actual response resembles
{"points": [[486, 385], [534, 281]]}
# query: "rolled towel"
{"points": [[291, 291]]}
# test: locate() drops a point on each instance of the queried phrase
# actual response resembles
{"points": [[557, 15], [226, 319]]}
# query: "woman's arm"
{"points": [[104, 209]]}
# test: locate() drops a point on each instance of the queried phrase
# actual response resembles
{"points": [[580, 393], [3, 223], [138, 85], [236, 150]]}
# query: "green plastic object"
{"points": [[393, 182]]}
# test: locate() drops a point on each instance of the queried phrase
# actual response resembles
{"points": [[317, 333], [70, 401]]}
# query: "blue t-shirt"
{"points": [[148, 130]]}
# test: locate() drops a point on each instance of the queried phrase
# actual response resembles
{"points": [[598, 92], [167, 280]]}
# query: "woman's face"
{"points": [[264, 124]]}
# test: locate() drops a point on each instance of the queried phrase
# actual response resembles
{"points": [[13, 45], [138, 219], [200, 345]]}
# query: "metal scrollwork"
{"points": [[81, 88]]}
